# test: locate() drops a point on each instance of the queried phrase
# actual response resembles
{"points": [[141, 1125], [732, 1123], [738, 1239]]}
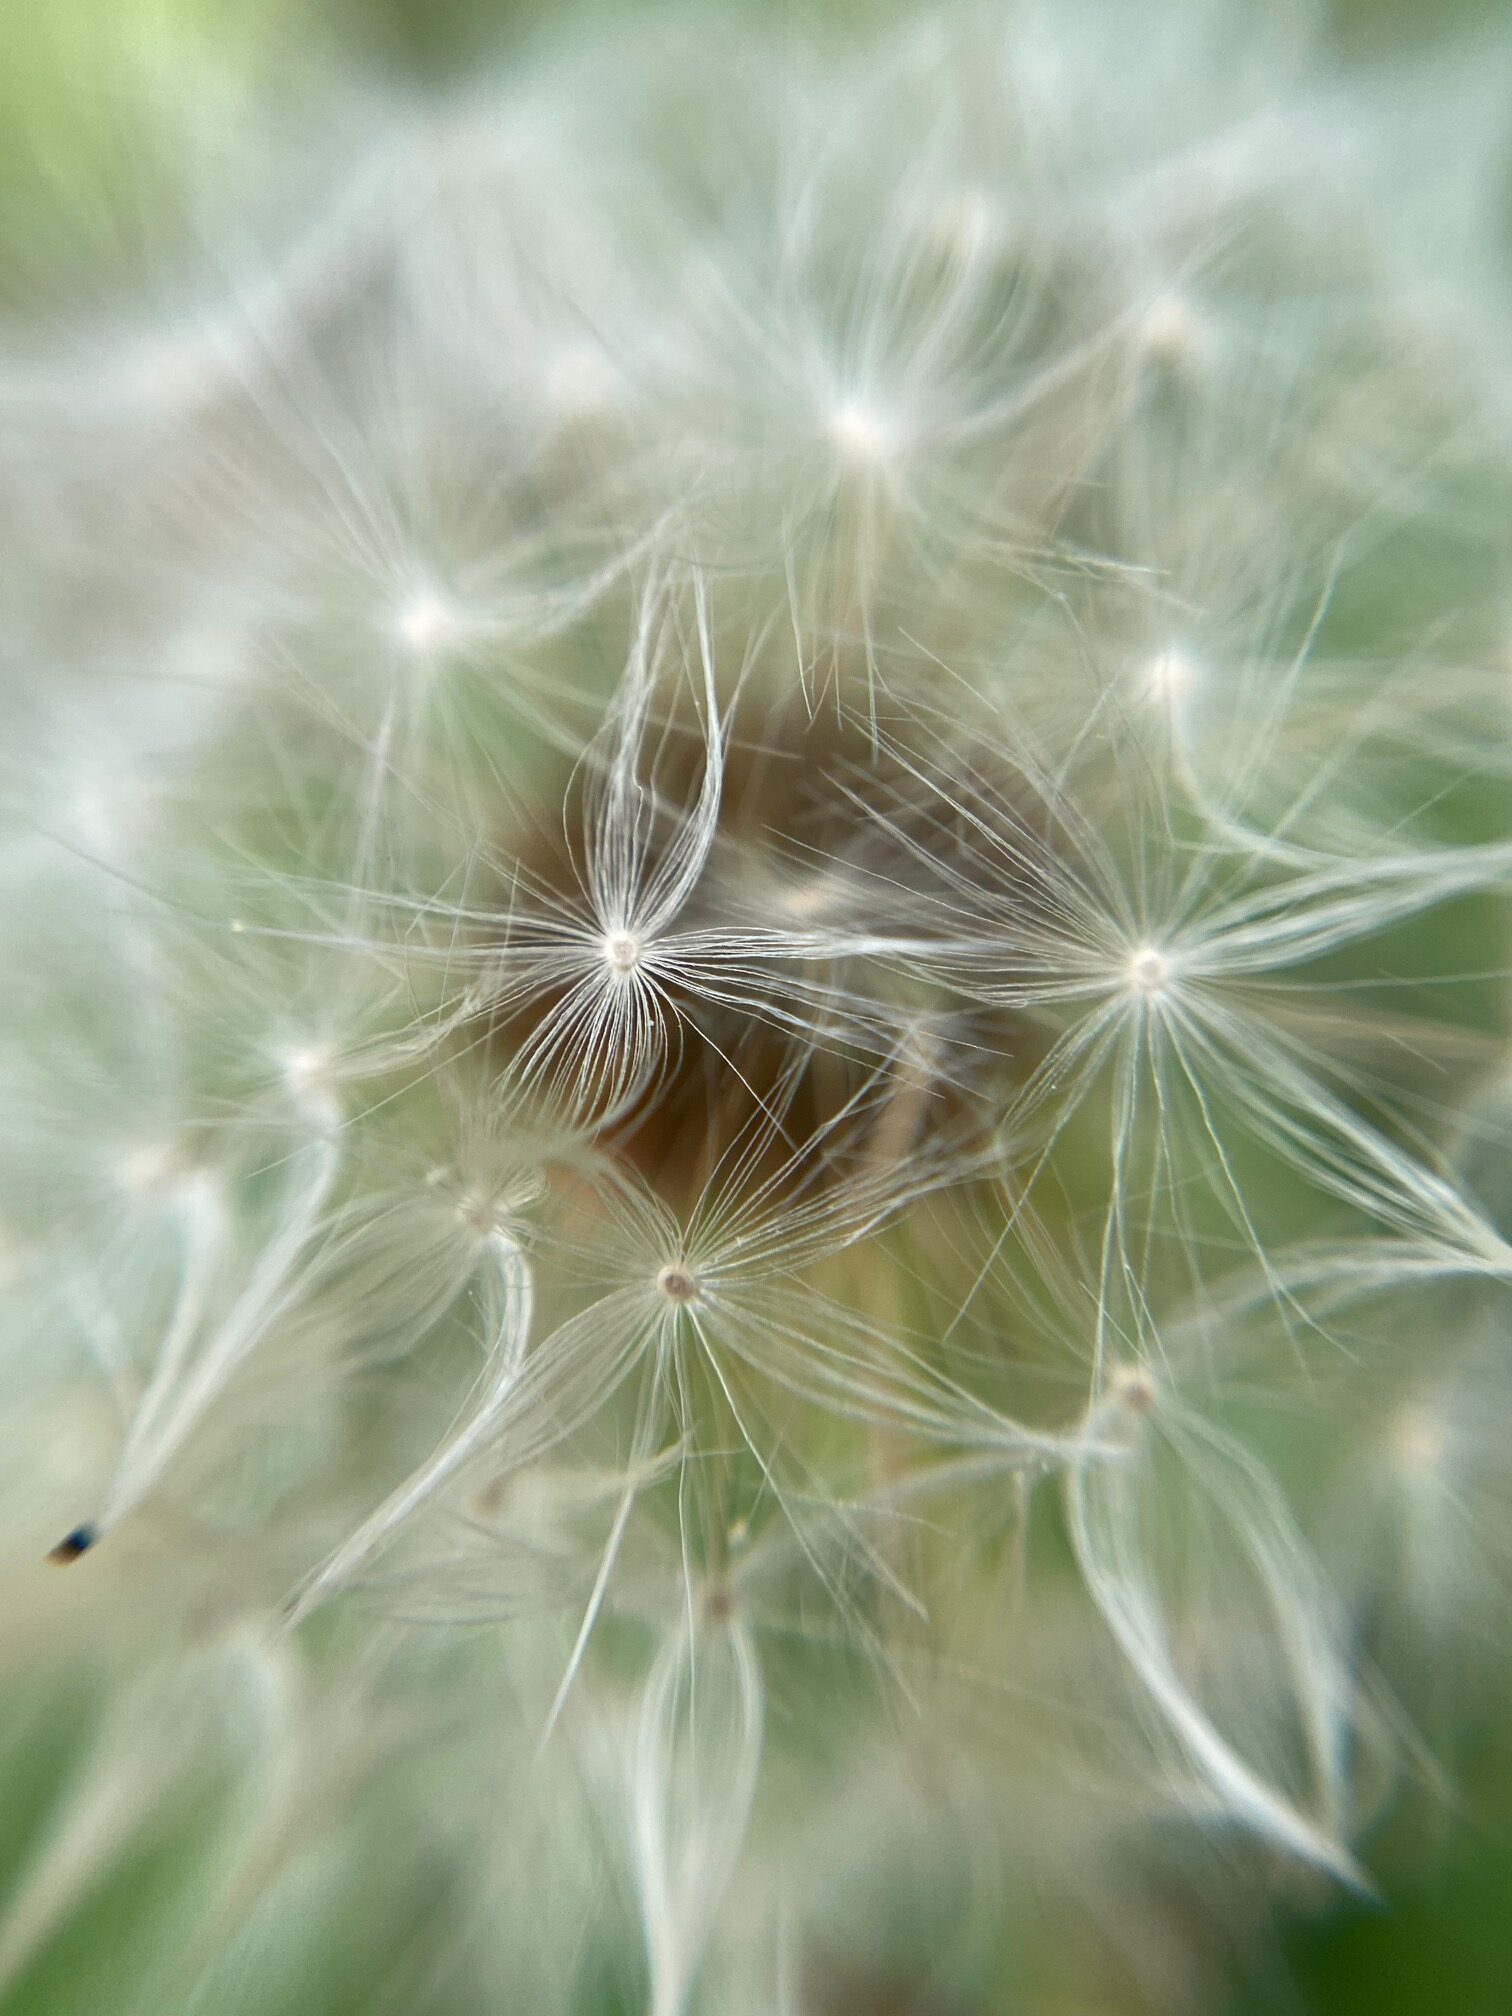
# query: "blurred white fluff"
{"points": [[696, 1755], [1223, 1525]]}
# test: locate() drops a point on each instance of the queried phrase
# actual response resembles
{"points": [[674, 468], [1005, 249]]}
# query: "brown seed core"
{"points": [[791, 852], [677, 1284]]}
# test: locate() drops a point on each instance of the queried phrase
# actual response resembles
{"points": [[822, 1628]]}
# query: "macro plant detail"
{"points": [[755, 1239]]}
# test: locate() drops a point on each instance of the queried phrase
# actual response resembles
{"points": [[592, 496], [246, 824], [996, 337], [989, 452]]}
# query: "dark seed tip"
{"points": [[72, 1545]]}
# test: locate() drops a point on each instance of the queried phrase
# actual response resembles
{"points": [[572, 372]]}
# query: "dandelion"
{"points": [[1154, 967], [716, 1301], [753, 1245]]}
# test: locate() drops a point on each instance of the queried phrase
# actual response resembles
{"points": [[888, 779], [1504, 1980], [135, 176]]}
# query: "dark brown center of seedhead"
{"points": [[678, 1283], [728, 1031]]}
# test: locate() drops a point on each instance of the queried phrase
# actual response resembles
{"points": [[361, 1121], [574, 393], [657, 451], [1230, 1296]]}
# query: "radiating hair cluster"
{"points": [[755, 1237]]}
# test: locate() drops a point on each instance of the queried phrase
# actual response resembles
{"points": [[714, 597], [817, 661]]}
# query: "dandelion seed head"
{"points": [[623, 952], [426, 624], [1148, 970], [679, 1284], [863, 438], [1133, 1389], [307, 1069], [1170, 677], [480, 1215], [924, 1045], [495, 1213], [1171, 332]]}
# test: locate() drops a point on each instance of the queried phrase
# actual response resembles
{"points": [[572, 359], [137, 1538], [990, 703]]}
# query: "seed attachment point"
{"points": [[1134, 1389], [1171, 332], [622, 951], [1149, 969], [1170, 677], [679, 1284], [861, 437], [425, 625]]}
